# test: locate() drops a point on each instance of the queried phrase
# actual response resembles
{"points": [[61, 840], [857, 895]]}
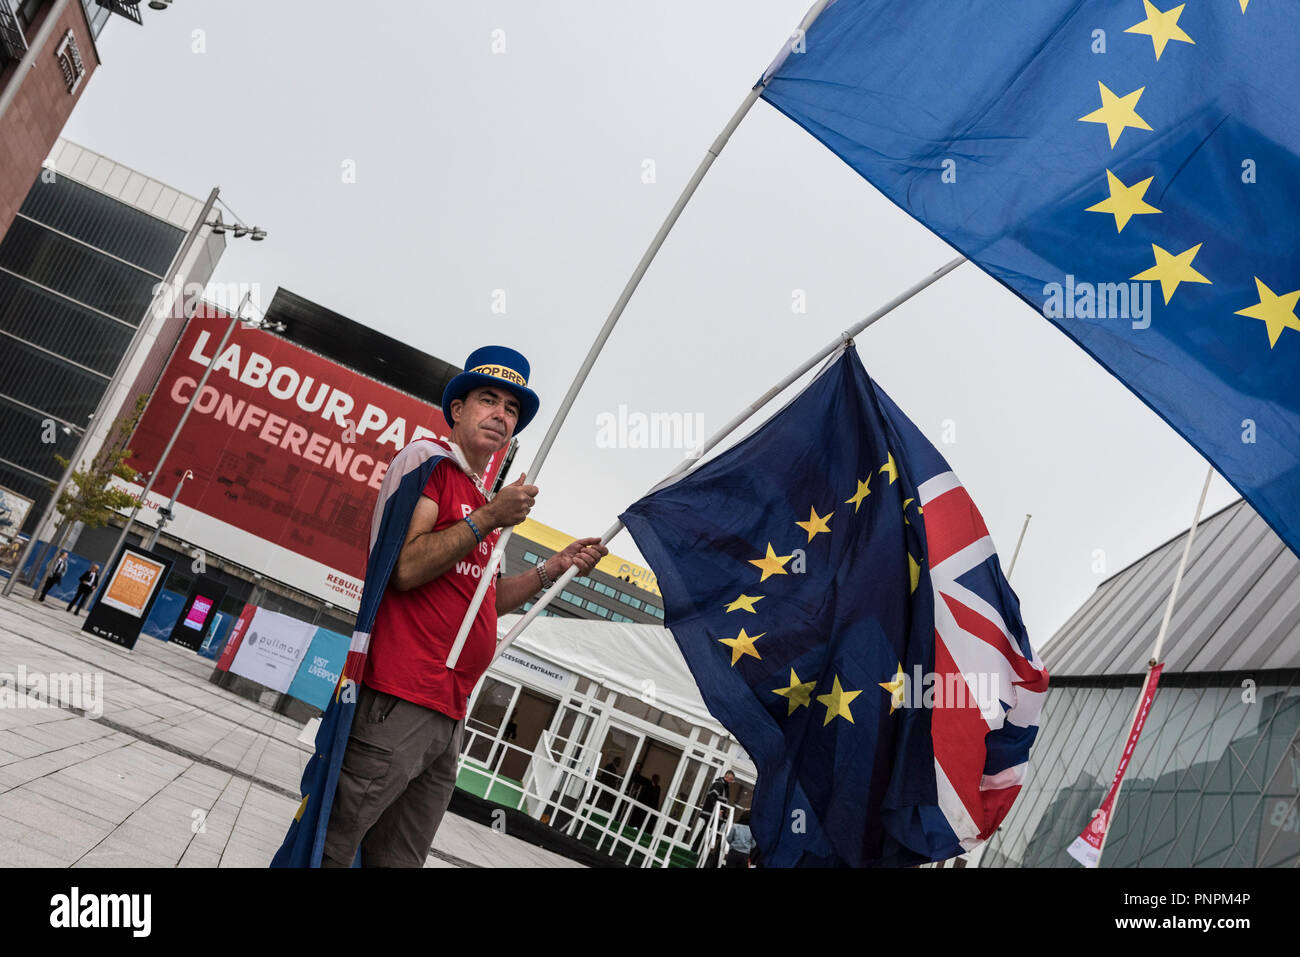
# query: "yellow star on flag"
{"points": [[895, 689], [1172, 270], [1243, 5], [799, 694], [907, 502], [1162, 27], [816, 524], [837, 702], [890, 469], [742, 644], [913, 571], [746, 603], [862, 492], [1124, 202], [1277, 312], [771, 564], [1117, 112]]}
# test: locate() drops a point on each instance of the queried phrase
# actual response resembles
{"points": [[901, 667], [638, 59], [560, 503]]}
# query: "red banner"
{"points": [[1086, 848], [284, 444], [236, 637]]}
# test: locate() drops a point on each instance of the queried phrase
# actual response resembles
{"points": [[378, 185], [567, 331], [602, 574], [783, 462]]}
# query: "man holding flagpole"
{"points": [[431, 538]]}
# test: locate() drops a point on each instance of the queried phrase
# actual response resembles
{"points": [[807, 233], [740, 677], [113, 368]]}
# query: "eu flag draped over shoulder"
{"points": [[840, 604], [399, 493], [1129, 168]]}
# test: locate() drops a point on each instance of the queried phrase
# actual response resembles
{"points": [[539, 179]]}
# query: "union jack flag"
{"points": [[841, 606], [981, 737]]}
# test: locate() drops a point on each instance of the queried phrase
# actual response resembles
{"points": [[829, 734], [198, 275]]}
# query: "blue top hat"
{"points": [[495, 366]]}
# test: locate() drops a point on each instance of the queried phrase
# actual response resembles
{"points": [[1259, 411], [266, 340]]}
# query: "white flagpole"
{"points": [[1160, 642], [695, 455], [1019, 541], [495, 561]]}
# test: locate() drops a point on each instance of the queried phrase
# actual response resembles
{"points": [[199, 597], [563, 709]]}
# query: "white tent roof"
{"points": [[621, 656]]}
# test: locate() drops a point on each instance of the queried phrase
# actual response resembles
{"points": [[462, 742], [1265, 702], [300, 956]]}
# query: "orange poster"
{"points": [[132, 584]]}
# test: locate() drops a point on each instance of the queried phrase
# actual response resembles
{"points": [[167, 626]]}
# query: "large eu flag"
{"points": [[838, 599], [1130, 168]]}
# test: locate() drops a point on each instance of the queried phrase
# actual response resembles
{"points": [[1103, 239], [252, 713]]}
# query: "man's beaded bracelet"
{"points": [[478, 536]]}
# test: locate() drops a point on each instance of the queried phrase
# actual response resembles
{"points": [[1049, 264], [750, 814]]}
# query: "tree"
{"points": [[89, 497]]}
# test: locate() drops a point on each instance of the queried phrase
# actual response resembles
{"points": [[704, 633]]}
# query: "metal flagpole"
{"points": [[1016, 553], [1160, 643], [495, 561], [695, 455], [105, 403]]}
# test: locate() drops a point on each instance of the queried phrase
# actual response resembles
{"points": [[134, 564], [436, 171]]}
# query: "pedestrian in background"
{"points": [[85, 585], [56, 574]]}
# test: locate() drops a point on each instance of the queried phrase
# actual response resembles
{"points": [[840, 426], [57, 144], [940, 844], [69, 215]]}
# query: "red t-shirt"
{"points": [[414, 630]]}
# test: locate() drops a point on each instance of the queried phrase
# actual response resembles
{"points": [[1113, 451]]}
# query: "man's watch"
{"points": [[541, 574]]}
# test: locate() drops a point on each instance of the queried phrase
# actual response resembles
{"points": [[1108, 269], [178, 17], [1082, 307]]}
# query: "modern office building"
{"points": [[47, 57], [1214, 779], [79, 267], [616, 590]]}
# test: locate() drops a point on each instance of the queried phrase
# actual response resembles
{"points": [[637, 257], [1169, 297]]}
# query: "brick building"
{"points": [[47, 56]]}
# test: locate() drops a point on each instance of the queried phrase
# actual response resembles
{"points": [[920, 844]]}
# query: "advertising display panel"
{"points": [[13, 512], [198, 612], [130, 589]]}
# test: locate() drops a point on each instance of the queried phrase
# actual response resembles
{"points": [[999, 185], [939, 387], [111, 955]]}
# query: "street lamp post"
{"points": [[165, 515]]}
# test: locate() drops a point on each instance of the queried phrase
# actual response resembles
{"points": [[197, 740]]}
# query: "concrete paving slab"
{"points": [[122, 791]]}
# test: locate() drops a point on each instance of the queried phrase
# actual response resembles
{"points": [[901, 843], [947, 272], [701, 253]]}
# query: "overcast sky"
{"points": [[507, 146]]}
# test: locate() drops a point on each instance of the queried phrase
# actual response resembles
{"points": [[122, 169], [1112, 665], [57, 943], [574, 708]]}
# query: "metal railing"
{"points": [[562, 787]]}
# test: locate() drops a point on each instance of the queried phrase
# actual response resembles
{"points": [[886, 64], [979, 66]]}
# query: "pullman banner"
{"points": [[1086, 848], [130, 589]]}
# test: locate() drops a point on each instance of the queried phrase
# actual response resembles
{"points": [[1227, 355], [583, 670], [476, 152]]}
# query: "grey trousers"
{"points": [[396, 781]]}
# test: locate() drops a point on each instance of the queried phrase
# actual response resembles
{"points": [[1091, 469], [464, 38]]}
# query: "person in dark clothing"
{"points": [[637, 785], [57, 571], [719, 790], [652, 794], [85, 586]]}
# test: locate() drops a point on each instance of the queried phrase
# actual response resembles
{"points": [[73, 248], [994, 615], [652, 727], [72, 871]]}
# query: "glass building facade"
{"points": [[1213, 781], [78, 269], [1214, 778]]}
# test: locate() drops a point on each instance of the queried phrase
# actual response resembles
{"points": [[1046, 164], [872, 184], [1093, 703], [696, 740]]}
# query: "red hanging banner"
{"points": [[1086, 848]]}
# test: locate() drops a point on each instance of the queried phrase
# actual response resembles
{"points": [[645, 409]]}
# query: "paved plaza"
{"points": [[164, 769]]}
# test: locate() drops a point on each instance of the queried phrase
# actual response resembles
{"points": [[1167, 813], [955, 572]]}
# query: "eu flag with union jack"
{"points": [[840, 604], [1129, 168]]}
